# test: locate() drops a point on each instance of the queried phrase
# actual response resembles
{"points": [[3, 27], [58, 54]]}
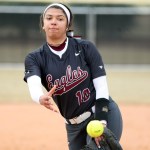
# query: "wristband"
{"points": [[101, 109]]}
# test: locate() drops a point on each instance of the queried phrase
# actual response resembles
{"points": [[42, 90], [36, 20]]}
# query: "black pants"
{"points": [[77, 135]]}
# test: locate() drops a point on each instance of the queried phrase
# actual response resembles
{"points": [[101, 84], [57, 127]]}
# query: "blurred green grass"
{"points": [[125, 86]]}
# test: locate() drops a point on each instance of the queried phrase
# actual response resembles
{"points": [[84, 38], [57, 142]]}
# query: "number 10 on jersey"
{"points": [[83, 96]]}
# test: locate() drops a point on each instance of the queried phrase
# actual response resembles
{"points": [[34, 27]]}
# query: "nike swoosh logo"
{"points": [[77, 54]]}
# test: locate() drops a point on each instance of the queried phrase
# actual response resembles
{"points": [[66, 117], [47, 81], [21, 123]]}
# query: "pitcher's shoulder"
{"points": [[80, 41], [39, 50]]}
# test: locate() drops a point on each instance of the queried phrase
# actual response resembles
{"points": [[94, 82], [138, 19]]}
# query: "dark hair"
{"points": [[57, 7]]}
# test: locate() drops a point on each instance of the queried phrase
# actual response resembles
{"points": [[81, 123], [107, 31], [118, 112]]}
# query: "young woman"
{"points": [[76, 68]]}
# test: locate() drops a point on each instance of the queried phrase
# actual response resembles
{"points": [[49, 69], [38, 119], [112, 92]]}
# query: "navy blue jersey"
{"points": [[73, 74]]}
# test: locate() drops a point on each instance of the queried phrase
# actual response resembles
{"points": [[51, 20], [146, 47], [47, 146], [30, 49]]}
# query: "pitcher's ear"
{"points": [[41, 21]]}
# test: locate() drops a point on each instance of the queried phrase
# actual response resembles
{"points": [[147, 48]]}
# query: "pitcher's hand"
{"points": [[47, 100], [98, 139]]}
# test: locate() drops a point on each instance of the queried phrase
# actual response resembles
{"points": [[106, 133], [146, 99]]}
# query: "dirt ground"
{"points": [[33, 127]]}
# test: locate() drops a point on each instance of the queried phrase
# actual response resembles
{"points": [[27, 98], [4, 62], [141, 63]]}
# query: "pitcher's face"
{"points": [[55, 23]]}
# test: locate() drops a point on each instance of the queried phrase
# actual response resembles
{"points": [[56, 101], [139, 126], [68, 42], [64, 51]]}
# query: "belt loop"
{"points": [[68, 122], [93, 109]]}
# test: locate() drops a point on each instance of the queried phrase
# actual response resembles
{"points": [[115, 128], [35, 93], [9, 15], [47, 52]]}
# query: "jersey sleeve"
{"points": [[32, 66], [94, 61]]}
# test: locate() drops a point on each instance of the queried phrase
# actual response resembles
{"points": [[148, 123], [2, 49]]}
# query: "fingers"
{"points": [[51, 92], [97, 140], [47, 100], [50, 105], [44, 99]]}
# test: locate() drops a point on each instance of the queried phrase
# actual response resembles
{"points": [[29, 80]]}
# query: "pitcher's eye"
{"points": [[48, 18], [60, 19]]}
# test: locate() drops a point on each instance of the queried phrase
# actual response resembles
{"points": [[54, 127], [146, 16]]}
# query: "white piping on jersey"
{"points": [[60, 53], [101, 87]]}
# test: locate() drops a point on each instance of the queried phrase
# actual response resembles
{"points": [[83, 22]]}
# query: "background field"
{"points": [[29, 126]]}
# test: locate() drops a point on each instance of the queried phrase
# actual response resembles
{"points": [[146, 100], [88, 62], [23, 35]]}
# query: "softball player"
{"points": [[76, 68]]}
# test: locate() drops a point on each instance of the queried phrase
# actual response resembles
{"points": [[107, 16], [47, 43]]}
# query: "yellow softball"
{"points": [[95, 128]]}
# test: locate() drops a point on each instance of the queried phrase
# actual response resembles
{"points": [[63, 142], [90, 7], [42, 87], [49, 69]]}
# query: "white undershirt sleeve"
{"points": [[35, 87], [101, 87]]}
